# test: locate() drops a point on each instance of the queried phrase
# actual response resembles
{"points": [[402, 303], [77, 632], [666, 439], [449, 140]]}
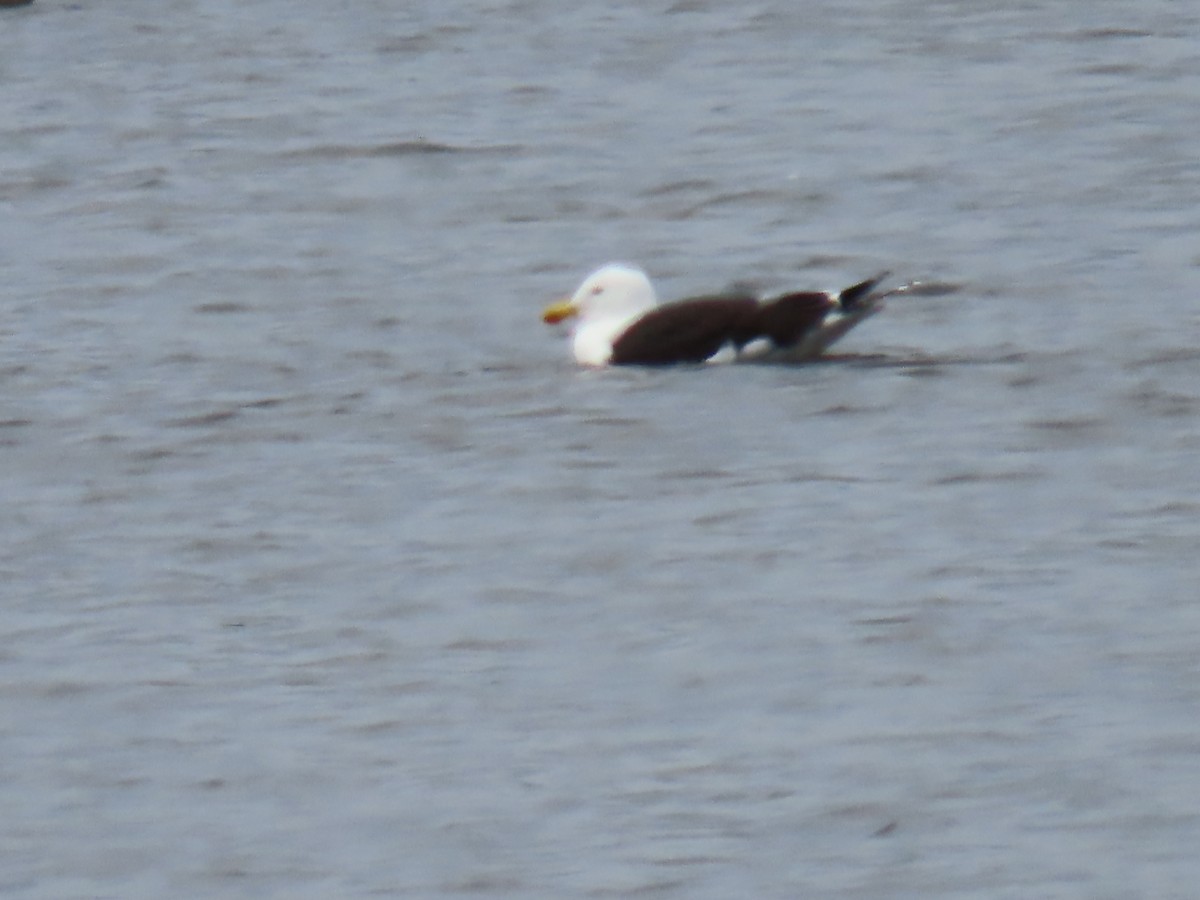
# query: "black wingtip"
{"points": [[852, 297]]}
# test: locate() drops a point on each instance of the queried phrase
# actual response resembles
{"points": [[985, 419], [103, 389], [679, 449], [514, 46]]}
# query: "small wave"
{"points": [[1166, 356], [221, 307], [204, 419], [419, 147], [933, 288], [1106, 34], [923, 361], [686, 186]]}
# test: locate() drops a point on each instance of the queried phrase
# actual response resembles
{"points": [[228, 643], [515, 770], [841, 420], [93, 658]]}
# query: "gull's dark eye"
{"points": [[598, 289]]}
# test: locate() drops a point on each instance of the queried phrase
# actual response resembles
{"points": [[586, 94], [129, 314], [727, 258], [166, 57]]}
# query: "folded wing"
{"points": [[694, 330]]}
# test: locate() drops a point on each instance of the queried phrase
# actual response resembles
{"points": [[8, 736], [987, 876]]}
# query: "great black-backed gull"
{"points": [[618, 321]]}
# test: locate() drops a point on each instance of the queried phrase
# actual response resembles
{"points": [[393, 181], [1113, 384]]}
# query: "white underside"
{"points": [[815, 343], [593, 341]]}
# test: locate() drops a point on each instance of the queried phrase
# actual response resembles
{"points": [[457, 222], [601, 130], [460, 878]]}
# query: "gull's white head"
{"points": [[603, 306]]}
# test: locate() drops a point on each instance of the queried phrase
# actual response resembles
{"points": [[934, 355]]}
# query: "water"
{"points": [[325, 572]]}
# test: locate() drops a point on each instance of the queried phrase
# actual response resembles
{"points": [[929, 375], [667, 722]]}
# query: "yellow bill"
{"points": [[557, 312]]}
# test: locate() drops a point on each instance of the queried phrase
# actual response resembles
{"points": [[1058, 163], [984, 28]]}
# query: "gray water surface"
{"points": [[324, 572]]}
